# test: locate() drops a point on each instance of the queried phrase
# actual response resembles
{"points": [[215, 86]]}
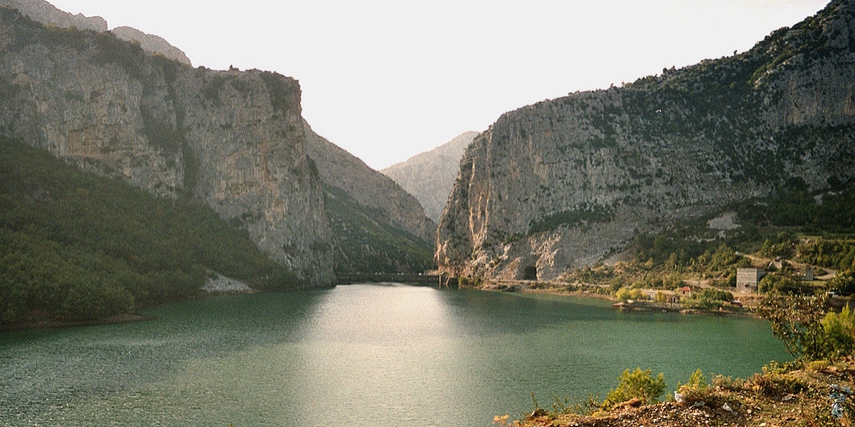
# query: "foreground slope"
{"points": [[569, 182], [429, 176]]}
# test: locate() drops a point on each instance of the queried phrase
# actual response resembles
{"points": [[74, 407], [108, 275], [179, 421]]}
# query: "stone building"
{"points": [[747, 279]]}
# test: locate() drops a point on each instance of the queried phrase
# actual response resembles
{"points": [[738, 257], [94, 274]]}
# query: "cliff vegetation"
{"points": [[77, 246], [571, 182]]}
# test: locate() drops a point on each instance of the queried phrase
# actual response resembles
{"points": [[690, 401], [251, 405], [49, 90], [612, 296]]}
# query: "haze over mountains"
{"points": [[430, 175]]}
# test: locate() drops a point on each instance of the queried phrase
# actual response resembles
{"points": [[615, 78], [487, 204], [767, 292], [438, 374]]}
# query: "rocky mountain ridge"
{"points": [[233, 140], [569, 182], [43, 12], [429, 176]]}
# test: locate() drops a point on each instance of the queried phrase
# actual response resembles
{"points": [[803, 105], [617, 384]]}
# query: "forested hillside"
{"points": [[77, 246]]}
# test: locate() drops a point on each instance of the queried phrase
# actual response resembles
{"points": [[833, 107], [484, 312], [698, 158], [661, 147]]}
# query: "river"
{"points": [[357, 355]]}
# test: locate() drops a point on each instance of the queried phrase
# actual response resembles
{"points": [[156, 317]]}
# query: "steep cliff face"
{"points": [[567, 182], [429, 176], [377, 225], [233, 140], [43, 12]]}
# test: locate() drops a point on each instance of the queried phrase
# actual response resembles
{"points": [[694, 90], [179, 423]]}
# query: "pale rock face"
{"points": [[569, 182], [233, 140], [429, 176]]}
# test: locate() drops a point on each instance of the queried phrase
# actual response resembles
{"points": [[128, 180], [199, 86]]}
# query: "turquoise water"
{"points": [[359, 355]]}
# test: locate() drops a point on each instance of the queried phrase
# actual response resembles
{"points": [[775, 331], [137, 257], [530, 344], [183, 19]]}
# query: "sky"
{"points": [[388, 79]]}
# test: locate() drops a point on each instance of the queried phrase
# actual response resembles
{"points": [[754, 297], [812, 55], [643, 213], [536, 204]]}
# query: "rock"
{"points": [[429, 176], [371, 189], [569, 182], [220, 284], [45, 13], [151, 43], [232, 140]]}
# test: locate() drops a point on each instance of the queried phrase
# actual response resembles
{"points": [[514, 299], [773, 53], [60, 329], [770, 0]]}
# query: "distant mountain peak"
{"points": [[429, 176]]}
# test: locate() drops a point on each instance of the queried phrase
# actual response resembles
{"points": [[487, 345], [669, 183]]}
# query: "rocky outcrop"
{"points": [[233, 140], [369, 188], [568, 182], [151, 43], [46, 13], [43, 12], [429, 176]]}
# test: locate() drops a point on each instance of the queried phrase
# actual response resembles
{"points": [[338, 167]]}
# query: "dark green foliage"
{"points": [[796, 322], [572, 218], [780, 284], [368, 244], [27, 32], [843, 283], [109, 49], [278, 89], [709, 299], [79, 247]]}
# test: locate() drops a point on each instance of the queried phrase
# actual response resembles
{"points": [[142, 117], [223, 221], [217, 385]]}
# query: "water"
{"points": [[360, 355]]}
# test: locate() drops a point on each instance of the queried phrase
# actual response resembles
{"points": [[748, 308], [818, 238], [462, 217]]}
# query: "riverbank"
{"points": [[591, 291], [777, 397]]}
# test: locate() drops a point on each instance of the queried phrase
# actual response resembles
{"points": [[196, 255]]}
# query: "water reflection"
{"points": [[355, 355]]}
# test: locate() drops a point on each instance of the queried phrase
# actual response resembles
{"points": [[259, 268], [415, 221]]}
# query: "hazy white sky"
{"points": [[387, 79]]}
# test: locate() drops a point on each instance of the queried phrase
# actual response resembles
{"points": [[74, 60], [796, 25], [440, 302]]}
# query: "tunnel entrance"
{"points": [[530, 273]]}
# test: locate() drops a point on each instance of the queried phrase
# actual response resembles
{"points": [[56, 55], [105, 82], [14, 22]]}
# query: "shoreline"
{"points": [[636, 306]]}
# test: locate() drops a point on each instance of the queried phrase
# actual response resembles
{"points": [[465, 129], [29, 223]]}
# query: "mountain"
{"points": [[151, 43], [228, 139], [570, 182], [377, 226], [430, 175], [47, 14]]}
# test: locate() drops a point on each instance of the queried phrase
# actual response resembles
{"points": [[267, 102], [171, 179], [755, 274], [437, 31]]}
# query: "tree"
{"points": [[796, 320], [843, 283], [626, 294]]}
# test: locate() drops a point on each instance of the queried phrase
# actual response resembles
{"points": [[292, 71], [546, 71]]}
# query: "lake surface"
{"points": [[358, 355]]}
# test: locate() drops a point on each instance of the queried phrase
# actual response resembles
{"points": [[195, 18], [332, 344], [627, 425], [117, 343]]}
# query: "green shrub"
{"points": [[839, 332], [626, 294], [636, 384]]}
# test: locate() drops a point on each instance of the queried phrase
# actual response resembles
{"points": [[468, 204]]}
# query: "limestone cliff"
{"points": [[233, 140], [43, 12], [567, 182], [429, 176]]}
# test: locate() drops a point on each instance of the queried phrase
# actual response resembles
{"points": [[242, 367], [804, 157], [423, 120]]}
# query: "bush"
{"points": [[839, 333], [626, 294], [636, 385], [843, 283], [796, 321]]}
